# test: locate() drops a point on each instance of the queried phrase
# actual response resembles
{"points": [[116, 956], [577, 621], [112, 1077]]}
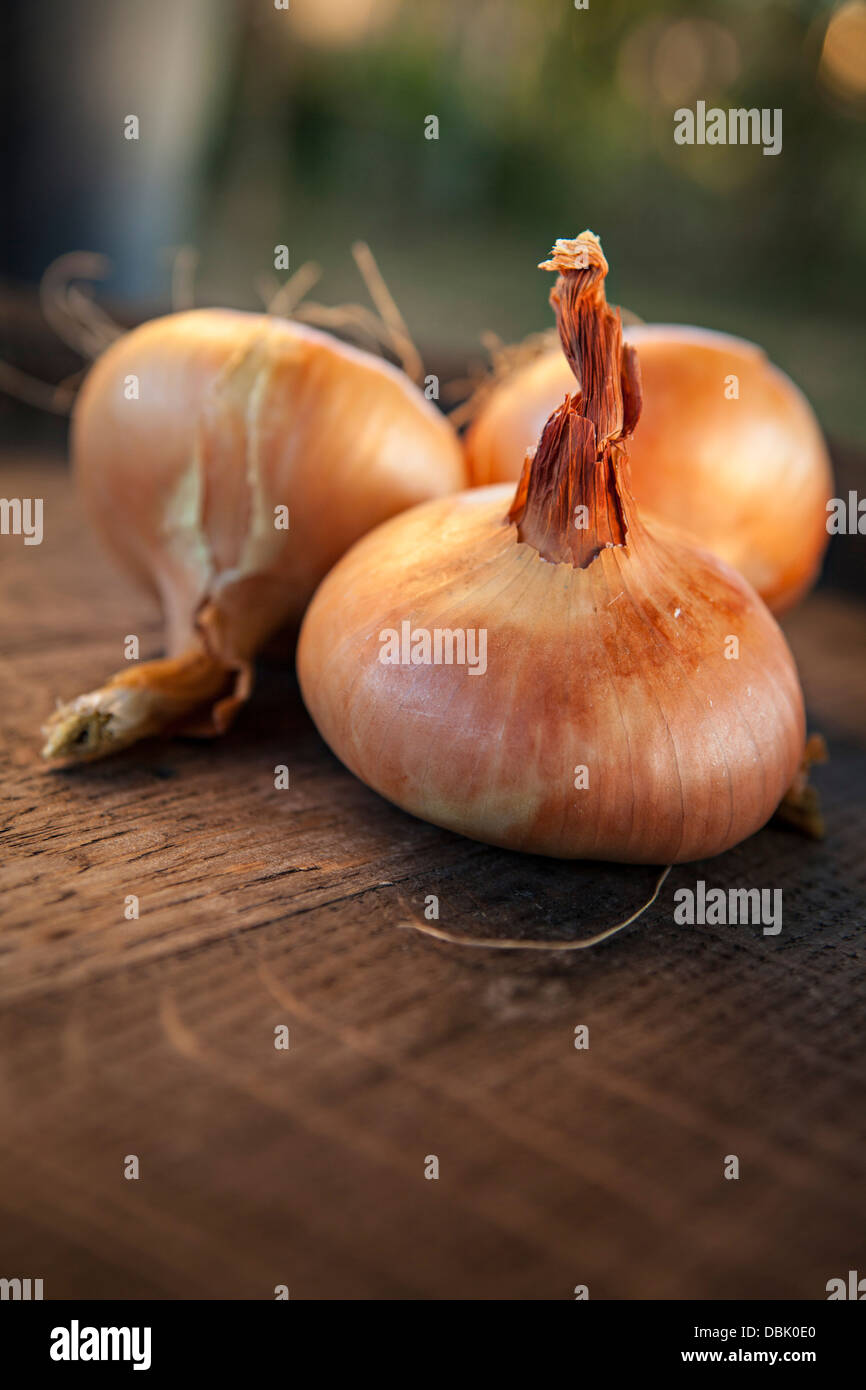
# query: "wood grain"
{"points": [[260, 907]]}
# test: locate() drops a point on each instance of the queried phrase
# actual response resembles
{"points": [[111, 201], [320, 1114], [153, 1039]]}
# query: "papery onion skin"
{"points": [[237, 414], [748, 478], [688, 752], [624, 651]]}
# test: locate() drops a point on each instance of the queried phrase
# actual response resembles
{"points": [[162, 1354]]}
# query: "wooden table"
{"points": [[260, 908]]}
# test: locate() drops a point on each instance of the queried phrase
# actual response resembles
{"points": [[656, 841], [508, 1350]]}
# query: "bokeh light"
{"points": [[339, 22], [842, 69], [663, 63]]}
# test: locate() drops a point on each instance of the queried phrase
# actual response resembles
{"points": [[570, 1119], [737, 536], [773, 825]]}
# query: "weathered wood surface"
{"points": [[258, 908]]}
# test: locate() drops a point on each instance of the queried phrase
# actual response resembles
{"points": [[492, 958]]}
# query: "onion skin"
{"points": [[747, 478], [607, 653], [688, 752], [237, 414], [249, 413]]}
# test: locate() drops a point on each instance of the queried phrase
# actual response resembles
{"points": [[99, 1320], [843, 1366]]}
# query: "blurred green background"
{"points": [[305, 126]]}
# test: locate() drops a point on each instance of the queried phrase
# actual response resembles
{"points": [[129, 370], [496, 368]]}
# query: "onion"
{"points": [[228, 459], [562, 676], [747, 475]]}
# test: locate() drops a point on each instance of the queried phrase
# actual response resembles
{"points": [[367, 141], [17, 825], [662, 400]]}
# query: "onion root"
{"points": [[147, 699]]}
